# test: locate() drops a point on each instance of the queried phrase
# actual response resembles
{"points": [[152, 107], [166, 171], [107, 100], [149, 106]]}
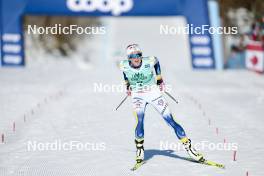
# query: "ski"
{"points": [[209, 163], [212, 163], [137, 165]]}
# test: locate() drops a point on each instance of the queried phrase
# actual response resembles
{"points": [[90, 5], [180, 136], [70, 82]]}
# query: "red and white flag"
{"points": [[255, 57]]}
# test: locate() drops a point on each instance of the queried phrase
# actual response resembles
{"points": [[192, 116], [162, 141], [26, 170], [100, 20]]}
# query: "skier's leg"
{"points": [[139, 106], [162, 106]]}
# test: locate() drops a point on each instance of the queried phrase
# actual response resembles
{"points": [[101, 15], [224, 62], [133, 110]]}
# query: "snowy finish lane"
{"points": [[232, 100]]}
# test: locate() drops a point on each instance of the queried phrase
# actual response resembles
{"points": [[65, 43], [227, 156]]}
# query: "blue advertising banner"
{"points": [[195, 11]]}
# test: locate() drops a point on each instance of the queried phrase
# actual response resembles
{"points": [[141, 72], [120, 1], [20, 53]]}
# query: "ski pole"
{"points": [[167, 93], [121, 102]]}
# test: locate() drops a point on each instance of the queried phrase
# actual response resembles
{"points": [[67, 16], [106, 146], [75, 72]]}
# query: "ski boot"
{"points": [[140, 150], [139, 154], [191, 151]]}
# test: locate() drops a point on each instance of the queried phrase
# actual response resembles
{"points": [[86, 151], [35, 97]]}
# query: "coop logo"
{"points": [[116, 7]]}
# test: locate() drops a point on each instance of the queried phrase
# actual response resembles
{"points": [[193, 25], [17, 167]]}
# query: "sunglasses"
{"points": [[134, 56]]}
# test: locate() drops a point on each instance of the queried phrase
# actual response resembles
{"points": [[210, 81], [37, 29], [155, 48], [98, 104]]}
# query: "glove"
{"points": [[161, 84], [162, 87], [128, 91]]}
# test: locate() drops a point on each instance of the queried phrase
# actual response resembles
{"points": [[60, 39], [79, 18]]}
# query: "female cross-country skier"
{"points": [[144, 84]]}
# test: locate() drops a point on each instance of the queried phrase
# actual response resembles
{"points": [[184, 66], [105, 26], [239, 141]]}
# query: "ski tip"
{"points": [[222, 167], [137, 165]]}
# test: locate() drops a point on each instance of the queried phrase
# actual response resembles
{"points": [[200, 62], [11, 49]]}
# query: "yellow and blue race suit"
{"points": [[144, 90]]}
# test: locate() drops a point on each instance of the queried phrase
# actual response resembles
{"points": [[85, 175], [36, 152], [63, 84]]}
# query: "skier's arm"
{"points": [[158, 72], [126, 81]]}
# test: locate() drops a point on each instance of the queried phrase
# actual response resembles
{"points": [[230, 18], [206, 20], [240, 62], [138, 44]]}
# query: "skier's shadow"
{"points": [[150, 153]]}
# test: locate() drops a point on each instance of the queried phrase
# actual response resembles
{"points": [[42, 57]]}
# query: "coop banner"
{"points": [[195, 12]]}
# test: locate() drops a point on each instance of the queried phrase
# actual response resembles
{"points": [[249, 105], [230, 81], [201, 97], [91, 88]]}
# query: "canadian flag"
{"points": [[255, 57]]}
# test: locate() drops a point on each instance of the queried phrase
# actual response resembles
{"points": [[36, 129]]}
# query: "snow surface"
{"points": [[66, 108]]}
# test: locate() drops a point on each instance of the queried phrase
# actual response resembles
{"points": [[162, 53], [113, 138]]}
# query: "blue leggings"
{"points": [[162, 107]]}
